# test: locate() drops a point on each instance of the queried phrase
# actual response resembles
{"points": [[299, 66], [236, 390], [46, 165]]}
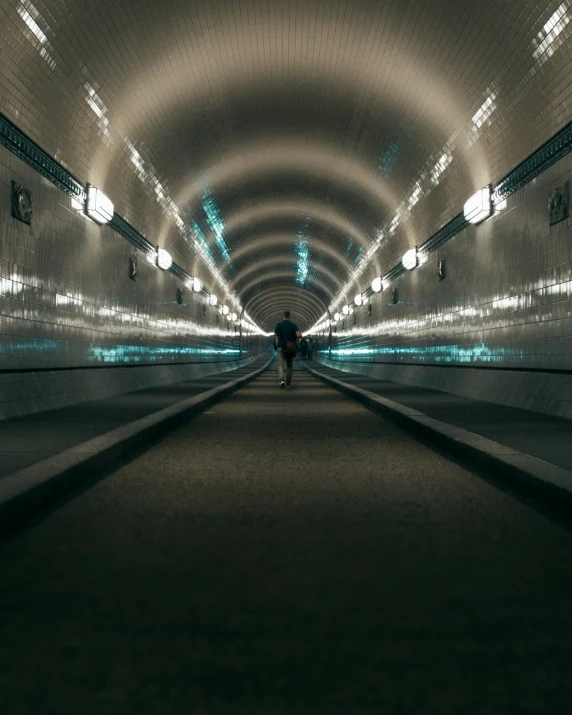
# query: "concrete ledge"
{"points": [[32, 392], [551, 482], [546, 392], [26, 492]]}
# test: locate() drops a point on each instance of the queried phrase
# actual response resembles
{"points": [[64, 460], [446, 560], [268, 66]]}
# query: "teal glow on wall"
{"points": [[118, 353], [193, 230], [302, 251], [146, 354], [389, 158], [216, 222], [477, 353]]}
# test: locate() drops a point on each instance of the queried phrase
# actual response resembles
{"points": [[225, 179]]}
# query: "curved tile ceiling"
{"points": [[283, 137]]}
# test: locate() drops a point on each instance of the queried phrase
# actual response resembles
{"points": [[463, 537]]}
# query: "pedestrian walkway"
{"points": [[542, 436], [288, 553], [32, 438]]}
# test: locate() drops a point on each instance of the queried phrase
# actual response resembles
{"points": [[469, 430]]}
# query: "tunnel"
{"points": [[285, 357]]}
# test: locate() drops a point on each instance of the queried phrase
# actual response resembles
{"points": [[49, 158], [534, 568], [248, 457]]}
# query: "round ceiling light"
{"points": [[409, 259]]}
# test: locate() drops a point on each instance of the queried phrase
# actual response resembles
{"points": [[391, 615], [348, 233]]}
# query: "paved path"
{"points": [[543, 436], [32, 438], [288, 552]]}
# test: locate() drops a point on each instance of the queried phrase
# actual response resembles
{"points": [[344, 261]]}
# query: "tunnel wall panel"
{"points": [[496, 81], [66, 301], [504, 308], [546, 392], [25, 393]]}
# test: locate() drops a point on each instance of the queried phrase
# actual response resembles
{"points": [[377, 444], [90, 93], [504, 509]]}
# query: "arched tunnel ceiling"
{"points": [[286, 134]]}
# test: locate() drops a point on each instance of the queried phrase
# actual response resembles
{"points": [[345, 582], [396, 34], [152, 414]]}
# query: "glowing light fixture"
{"points": [[409, 259], [346, 310], [376, 285], [358, 300], [213, 300], [98, 206], [479, 206], [337, 316], [225, 309], [164, 259], [197, 285], [234, 317]]}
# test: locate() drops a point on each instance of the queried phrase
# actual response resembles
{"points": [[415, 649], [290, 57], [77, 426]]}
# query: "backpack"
{"points": [[289, 347]]}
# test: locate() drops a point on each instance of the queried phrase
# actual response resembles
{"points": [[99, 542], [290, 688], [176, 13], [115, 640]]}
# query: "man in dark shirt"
{"points": [[285, 335]]}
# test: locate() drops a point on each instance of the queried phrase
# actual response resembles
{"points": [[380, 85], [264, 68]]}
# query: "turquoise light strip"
{"points": [[479, 352]]}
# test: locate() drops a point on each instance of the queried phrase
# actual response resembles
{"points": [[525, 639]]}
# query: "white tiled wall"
{"points": [[506, 303], [66, 301]]}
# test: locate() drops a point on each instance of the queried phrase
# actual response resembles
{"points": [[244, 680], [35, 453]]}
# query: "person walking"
{"points": [[286, 333], [303, 348], [310, 349]]}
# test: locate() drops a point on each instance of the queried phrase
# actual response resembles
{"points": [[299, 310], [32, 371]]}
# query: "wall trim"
{"points": [[535, 164], [549, 393], [16, 141], [537, 370]]}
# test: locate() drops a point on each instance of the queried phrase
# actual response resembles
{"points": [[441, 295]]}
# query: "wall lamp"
{"points": [[225, 309], [377, 285], [346, 310], [164, 259], [358, 300], [213, 300], [410, 259], [479, 207], [98, 206]]}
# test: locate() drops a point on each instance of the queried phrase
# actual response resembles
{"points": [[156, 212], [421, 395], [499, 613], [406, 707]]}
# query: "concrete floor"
{"points": [[534, 433], [288, 552], [32, 438]]}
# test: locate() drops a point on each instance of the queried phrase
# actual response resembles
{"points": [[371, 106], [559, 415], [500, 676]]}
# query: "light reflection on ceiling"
{"points": [[227, 132]]}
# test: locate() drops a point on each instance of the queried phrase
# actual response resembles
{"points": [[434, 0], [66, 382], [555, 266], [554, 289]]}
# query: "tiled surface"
{"points": [[281, 141], [541, 436], [27, 440], [31, 392], [504, 304], [66, 301], [285, 135], [549, 393]]}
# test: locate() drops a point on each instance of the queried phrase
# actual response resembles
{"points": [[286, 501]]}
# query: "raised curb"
{"points": [[25, 492], [542, 478]]}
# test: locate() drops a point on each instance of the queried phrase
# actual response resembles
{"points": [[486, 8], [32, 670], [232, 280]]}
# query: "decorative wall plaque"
{"points": [[21, 203], [558, 204], [180, 296], [369, 309], [133, 269], [394, 296], [442, 269]]}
